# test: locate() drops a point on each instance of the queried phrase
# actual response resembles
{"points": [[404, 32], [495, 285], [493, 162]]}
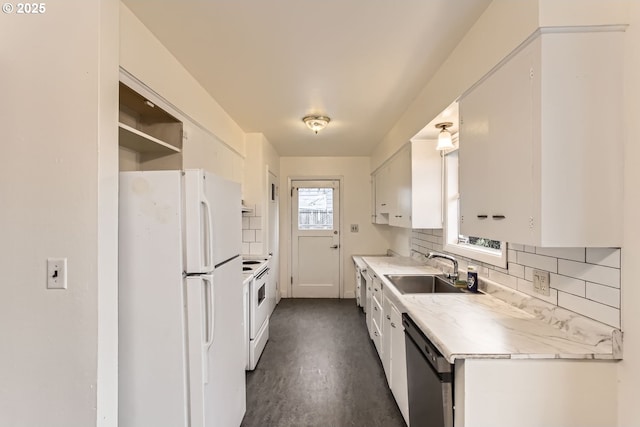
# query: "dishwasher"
{"points": [[430, 380]]}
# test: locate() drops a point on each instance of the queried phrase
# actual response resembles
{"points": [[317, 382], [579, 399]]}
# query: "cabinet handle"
{"points": [[398, 216], [393, 325], [383, 204], [388, 317], [498, 216], [375, 308], [483, 216], [375, 333]]}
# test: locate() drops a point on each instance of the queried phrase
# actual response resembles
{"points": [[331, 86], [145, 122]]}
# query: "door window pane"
{"points": [[315, 208]]}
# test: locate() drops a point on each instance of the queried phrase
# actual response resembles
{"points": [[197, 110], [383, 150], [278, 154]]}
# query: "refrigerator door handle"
{"points": [[207, 242], [209, 318]]}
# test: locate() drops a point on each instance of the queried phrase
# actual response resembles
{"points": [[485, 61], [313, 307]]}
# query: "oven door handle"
{"points": [[265, 271]]}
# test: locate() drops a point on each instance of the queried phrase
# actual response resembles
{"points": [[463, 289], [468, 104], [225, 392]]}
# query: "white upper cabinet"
{"points": [[408, 188], [541, 145], [382, 194]]}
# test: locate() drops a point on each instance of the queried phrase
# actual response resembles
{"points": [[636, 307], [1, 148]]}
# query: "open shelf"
{"points": [[141, 142]]}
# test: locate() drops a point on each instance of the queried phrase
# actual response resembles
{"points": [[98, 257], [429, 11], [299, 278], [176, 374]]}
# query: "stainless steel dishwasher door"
{"points": [[430, 380]]}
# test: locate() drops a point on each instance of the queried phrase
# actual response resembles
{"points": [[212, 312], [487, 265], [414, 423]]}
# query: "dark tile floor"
{"points": [[319, 369]]}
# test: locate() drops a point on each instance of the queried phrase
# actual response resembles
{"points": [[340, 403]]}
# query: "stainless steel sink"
{"points": [[422, 284]]}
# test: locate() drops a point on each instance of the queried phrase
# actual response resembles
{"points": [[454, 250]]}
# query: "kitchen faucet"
{"points": [[453, 276]]}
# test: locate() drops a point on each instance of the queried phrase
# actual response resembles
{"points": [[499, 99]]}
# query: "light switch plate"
{"points": [[56, 273], [541, 282]]}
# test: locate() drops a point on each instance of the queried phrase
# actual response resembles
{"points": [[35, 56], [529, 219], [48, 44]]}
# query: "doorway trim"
{"points": [[290, 179]]}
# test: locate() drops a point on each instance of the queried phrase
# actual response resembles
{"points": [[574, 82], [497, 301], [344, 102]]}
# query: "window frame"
{"points": [[451, 232]]}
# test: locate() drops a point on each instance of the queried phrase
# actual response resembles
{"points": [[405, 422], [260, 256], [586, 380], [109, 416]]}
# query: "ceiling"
{"points": [[269, 63]]}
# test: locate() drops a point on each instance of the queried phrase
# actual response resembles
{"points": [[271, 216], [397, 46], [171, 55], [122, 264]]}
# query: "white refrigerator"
{"points": [[181, 349]]}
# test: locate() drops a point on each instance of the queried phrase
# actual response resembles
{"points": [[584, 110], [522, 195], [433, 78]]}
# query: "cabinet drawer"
{"points": [[377, 313], [377, 336]]}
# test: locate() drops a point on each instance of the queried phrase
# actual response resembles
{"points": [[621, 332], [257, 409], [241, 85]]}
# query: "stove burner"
{"points": [[247, 268], [251, 262]]}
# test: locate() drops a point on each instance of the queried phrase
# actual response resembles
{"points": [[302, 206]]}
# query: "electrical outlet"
{"points": [[56, 273], [541, 282], [355, 228]]}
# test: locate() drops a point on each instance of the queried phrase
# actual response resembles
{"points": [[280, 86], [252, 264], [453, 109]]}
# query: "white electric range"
{"points": [[257, 307]]}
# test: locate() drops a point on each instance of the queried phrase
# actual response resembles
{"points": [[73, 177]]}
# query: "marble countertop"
{"points": [[485, 327]]}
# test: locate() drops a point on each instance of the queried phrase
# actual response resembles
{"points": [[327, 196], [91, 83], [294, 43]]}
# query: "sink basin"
{"points": [[422, 284]]}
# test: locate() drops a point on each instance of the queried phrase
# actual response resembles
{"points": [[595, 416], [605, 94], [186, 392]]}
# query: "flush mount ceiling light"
{"points": [[316, 123], [444, 137]]}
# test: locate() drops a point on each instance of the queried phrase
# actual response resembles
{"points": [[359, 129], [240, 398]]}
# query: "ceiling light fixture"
{"points": [[316, 123], [444, 137]]}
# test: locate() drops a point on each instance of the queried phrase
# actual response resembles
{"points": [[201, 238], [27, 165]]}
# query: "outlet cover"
{"points": [[541, 282], [355, 228]]}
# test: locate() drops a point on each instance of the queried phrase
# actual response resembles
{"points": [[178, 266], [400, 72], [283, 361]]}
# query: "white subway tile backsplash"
{"points": [[528, 274], [609, 257], [437, 232], [603, 294], [246, 248], [538, 261], [600, 312], [245, 222], [258, 238], [255, 223], [500, 269], [568, 284], [516, 270], [256, 248], [248, 236], [516, 247], [527, 287], [584, 280], [503, 279], [590, 272], [575, 254]]}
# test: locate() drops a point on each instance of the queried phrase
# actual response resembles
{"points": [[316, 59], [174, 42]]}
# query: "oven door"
{"points": [[258, 302]]}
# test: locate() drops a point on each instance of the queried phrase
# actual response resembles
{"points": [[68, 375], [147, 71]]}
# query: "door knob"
{"points": [[333, 247]]}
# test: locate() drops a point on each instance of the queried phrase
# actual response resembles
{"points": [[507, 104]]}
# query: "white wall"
{"points": [[58, 184], [355, 205], [261, 159], [142, 55], [629, 369]]}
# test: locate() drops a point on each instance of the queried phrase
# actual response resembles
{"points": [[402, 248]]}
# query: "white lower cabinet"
{"points": [[398, 363], [535, 392], [386, 338], [391, 349], [377, 314]]}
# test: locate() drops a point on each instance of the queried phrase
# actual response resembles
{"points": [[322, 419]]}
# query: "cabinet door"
{"points": [[400, 212], [496, 144], [386, 338], [398, 383], [383, 190]]}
